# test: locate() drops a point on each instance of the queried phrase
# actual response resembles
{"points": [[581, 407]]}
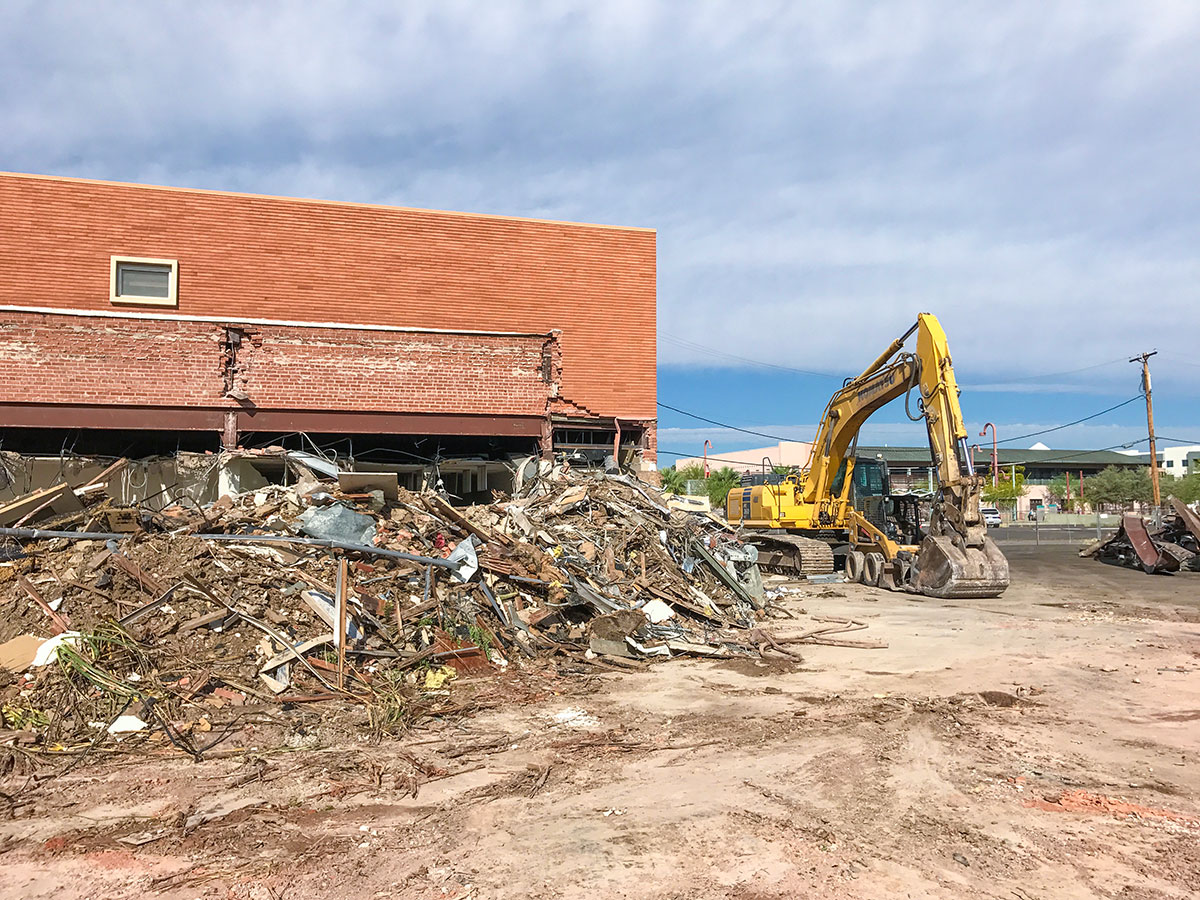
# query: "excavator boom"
{"points": [[955, 557]]}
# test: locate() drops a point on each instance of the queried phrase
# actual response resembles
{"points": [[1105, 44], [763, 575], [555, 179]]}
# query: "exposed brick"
{"points": [[145, 362]]}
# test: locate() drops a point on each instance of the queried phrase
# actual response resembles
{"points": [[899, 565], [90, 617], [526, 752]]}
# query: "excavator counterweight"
{"points": [[884, 542]]}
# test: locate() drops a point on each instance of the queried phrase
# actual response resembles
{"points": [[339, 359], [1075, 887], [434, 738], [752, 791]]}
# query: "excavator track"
{"points": [[791, 554]]}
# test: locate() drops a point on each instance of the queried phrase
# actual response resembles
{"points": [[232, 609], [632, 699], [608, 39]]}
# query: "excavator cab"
{"points": [[896, 515], [872, 490]]}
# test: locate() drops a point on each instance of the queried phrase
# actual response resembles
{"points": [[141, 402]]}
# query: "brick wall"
{"points": [[250, 257], [56, 359]]}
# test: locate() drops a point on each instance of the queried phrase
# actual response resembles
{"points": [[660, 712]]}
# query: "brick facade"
{"points": [[249, 257]]}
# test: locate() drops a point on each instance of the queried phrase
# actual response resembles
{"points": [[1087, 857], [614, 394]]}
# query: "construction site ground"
{"points": [[1042, 744]]}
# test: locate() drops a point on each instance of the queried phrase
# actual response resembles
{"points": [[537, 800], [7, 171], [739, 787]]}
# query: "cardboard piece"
{"points": [[18, 654]]}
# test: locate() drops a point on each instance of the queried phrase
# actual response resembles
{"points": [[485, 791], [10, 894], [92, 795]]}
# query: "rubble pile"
{"points": [[1166, 549], [186, 624]]}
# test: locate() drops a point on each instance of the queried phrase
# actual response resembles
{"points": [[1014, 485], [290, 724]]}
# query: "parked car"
{"points": [[991, 516]]}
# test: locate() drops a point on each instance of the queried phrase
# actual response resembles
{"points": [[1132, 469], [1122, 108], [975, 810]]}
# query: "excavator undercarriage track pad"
{"points": [[791, 554]]}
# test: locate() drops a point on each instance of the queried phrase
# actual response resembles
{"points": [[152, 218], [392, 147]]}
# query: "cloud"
{"points": [[817, 173]]}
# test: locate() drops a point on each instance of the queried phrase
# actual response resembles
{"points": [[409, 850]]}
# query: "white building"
{"points": [[1180, 461]]}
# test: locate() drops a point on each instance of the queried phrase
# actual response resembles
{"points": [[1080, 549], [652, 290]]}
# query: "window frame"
{"points": [[172, 298]]}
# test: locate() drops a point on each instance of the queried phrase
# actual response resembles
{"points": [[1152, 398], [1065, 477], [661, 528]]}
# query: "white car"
{"points": [[991, 516]]}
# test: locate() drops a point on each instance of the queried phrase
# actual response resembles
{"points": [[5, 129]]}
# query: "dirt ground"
{"points": [[1040, 745]]}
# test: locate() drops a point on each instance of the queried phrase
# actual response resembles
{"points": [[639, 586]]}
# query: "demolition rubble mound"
{"points": [[191, 625]]}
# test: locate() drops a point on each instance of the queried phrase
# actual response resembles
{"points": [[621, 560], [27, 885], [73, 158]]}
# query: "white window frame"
{"points": [[172, 298]]}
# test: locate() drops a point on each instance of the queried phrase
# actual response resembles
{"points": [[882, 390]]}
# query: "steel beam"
{"points": [[168, 418]]}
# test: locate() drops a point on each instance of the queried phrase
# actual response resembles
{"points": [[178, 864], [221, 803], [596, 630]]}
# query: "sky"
{"points": [[818, 173]]}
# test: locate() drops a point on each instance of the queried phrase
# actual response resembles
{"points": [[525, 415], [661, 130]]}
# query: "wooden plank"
{"points": [[130, 568], [60, 498], [442, 508], [103, 476], [343, 576], [61, 623]]}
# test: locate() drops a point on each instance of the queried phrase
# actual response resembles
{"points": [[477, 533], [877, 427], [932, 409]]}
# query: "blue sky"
{"points": [[818, 173]]}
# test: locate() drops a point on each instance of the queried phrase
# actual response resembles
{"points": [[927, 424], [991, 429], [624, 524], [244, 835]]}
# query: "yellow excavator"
{"points": [[846, 503]]}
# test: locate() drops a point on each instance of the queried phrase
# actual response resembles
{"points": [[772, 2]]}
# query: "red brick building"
{"points": [[132, 307]]}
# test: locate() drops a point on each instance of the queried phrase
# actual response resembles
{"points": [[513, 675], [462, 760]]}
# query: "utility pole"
{"points": [[1144, 359]]}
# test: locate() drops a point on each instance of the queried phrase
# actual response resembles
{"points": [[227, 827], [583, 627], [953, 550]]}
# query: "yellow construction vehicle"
{"points": [[844, 503]]}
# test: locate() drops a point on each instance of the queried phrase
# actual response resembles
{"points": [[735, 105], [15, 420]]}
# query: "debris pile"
{"points": [[188, 624], [1173, 546]]}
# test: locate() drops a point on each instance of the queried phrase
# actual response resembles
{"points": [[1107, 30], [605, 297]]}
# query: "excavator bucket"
{"points": [[947, 570]]}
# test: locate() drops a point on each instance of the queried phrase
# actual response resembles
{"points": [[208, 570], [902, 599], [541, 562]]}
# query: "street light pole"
{"points": [[995, 454], [707, 447]]}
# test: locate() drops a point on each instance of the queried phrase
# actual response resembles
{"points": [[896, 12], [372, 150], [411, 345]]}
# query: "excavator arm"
{"points": [[956, 559]]}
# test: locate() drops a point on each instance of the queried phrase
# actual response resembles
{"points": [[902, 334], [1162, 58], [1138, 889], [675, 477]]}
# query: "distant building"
{"points": [[1180, 461], [785, 453], [911, 468]]}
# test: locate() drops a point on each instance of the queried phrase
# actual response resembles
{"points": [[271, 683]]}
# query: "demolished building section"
{"points": [[177, 622], [157, 310]]}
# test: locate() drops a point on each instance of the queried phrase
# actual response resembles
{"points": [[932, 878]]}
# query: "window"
{"points": [[1170, 463], [152, 282]]}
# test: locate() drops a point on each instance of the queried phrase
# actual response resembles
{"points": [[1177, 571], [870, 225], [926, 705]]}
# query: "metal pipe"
{"points": [[967, 456], [495, 603], [34, 534], [328, 544]]}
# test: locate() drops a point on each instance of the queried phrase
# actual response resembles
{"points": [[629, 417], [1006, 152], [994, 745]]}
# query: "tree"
{"points": [[719, 485], [674, 480], [1007, 489], [1064, 489], [716, 486], [1057, 490], [1118, 486], [1186, 488]]}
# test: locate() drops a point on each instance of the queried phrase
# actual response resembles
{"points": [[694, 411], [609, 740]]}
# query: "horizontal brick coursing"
{"points": [[92, 360], [270, 258]]}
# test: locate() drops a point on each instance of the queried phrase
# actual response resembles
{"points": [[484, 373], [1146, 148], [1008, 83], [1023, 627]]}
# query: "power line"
{"points": [[1107, 362], [737, 462], [1060, 459], [776, 437], [713, 351], [1022, 437], [684, 412], [1181, 360], [1022, 462]]}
